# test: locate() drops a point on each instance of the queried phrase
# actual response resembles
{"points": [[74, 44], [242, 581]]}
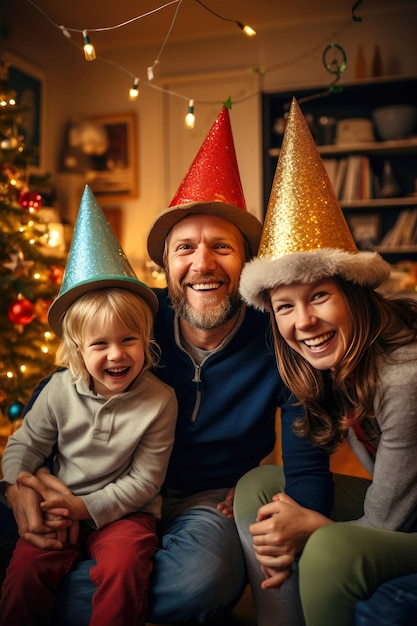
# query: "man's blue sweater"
{"points": [[226, 414]]}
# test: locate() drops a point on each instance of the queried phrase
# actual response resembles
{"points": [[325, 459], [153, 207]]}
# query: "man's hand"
{"points": [[49, 487], [25, 504], [42, 530], [226, 507]]}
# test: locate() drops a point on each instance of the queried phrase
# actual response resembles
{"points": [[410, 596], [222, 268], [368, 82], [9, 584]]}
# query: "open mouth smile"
{"points": [[116, 372], [205, 286], [318, 342]]}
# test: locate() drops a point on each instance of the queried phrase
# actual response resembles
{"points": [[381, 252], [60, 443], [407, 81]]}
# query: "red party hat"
{"points": [[214, 173], [211, 186]]}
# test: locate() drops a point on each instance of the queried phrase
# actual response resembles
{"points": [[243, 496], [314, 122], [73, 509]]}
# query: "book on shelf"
{"points": [[351, 184], [358, 183], [340, 176], [366, 179], [352, 177], [404, 231], [331, 166]]}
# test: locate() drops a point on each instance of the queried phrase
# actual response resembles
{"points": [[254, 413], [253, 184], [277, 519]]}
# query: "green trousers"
{"points": [[341, 563]]}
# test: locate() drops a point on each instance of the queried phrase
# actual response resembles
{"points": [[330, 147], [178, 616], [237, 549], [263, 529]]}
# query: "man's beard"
{"points": [[207, 318]]}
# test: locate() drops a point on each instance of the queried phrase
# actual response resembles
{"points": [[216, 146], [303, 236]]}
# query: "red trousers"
{"points": [[123, 552]]}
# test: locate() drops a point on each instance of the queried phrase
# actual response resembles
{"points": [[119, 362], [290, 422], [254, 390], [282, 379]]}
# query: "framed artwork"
{"points": [[28, 81], [103, 148]]}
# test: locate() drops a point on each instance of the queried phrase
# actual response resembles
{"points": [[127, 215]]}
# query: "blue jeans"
{"points": [[199, 572], [393, 604]]}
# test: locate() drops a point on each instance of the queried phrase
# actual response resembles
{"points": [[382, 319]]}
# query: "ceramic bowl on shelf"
{"points": [[395, 122]]}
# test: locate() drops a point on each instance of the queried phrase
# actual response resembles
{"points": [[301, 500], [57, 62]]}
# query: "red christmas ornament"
{"points": [[30, 201], [21, 311], [55, 274]]}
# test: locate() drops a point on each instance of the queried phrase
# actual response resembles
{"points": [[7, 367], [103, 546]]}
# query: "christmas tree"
{"points": [[31, 265]]}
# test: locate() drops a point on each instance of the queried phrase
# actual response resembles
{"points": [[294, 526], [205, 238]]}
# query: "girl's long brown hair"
{"points": [[330, 398]]}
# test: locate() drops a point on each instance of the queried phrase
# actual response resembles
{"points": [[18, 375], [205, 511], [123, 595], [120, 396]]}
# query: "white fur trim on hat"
{"points": [[264, 273]]}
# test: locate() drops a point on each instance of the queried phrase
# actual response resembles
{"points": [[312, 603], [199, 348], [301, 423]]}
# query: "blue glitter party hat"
{"points": [[95, 261]]}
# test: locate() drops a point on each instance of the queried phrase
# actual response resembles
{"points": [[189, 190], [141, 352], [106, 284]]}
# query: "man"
{"points": [[215, 354]]}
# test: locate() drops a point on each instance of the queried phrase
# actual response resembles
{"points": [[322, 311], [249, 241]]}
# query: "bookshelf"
{"points": [[375, 181]]}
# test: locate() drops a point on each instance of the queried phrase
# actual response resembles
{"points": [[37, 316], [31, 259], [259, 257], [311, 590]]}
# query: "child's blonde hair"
{"points": [[103, 307]]}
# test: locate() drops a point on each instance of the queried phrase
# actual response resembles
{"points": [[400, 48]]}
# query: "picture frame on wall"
{"points": [[28, 81], [103, 149]]}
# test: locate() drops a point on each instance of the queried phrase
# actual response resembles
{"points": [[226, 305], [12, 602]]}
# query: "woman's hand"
{"points": [[279, 534]]}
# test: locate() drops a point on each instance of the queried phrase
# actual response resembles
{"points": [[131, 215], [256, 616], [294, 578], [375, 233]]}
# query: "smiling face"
{"points": [[314, 319], [204, 258], [114, 357]]}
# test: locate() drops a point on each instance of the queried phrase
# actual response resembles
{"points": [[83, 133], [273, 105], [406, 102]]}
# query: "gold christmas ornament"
{"points": [[305, 236]]}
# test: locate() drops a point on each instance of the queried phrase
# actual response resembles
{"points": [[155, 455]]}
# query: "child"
{"points": [[111, 423]]}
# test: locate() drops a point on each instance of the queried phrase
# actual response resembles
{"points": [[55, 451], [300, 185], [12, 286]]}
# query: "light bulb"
{"points": [[150, 73], [190, 117], [248, 30], [89, 52], [134, 91]]}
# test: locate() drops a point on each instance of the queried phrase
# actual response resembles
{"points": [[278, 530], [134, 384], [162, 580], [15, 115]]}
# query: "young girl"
{"points": [[111, 424], [349, 356]]}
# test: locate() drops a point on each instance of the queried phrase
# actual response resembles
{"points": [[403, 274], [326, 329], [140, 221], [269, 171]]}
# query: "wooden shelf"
{"points": [[396, 249], [380, 203], [357, 100], [382, 148]]}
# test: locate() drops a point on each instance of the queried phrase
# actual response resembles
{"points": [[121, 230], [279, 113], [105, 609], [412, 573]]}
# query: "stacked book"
{"points": [[352, 177], [404, 231]]}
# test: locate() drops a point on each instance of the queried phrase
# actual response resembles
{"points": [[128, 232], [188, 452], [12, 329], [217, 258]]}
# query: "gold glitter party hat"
{"points": [[95, 261], [305, 235], [211, 186]]}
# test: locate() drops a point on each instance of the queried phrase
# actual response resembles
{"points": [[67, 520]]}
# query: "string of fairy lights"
{"points": [[333, 59], [335, 65]]}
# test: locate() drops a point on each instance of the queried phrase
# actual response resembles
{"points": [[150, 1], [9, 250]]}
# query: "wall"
{"points": [[289, 55]]}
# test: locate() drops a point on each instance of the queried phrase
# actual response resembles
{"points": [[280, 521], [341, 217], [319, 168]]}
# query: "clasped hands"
{"points": [[279, 534], [45, 510]]}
